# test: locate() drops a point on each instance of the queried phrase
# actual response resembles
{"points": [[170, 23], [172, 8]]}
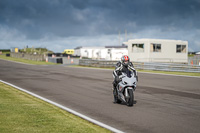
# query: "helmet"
{"points": [[125, 60]]}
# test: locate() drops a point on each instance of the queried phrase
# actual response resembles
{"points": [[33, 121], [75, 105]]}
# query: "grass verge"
{"points": [[26, 61], [23, 113], [173, 73], [151, 71]]}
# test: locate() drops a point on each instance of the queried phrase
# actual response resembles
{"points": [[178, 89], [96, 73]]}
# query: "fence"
{"points": [[194, 60], [64, 60], [97, 63], [144, 65], [36, 57]]}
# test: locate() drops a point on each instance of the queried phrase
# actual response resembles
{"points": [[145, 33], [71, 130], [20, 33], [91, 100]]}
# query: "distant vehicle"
{"points": [[68, 51], [197, 53]]}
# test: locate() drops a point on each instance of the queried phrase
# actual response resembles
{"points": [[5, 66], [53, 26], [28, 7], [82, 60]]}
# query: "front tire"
{"points": [[131, 98]]}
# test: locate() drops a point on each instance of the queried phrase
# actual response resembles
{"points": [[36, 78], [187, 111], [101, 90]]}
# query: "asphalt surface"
{"points": [[163, 104]]}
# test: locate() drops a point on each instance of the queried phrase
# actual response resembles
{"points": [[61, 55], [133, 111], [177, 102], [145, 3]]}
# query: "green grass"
{"points": [[151, 71], [37, 50], [5, 52], [191, 55], [26, 61], [174, 73], [22, 113]]}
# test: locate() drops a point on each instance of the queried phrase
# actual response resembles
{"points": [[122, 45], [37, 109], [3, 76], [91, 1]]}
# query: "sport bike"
{"points": [[124, 91]]}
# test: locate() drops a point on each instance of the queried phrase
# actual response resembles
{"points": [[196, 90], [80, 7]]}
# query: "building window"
{"points": [[109, 51], [180, 48], [137, 48], [155, 47]]}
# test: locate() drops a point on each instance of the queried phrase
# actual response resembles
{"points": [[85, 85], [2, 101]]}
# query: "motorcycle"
{"points": [[124, 91]]}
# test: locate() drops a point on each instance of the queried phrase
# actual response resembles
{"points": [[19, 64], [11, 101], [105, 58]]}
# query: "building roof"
{"points": [[122, 46], [100, 47], [78, 47], [154, 40]]}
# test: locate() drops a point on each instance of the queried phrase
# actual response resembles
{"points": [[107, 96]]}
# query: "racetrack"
{"points": [[163, 103]]}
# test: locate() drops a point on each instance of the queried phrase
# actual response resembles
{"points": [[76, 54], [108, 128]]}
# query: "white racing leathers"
{"points": [[119, 68], [124, 84]]}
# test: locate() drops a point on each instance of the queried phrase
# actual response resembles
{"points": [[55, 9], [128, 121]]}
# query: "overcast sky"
{"points": [[62, 24]]}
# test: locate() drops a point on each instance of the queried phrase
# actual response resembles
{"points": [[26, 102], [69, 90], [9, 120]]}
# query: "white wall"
{"points": [[116, 54], [168, 51], [139, 56], [101, 53], [89, 52], [77, 52]]}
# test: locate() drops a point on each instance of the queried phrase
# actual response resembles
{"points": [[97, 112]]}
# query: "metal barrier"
{"points": [[55, 60], [36, 57], [194, 60], [144, 65], [97, 63]]}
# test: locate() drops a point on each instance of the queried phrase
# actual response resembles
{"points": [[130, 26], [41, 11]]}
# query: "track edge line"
{"points": [[66, 109]]}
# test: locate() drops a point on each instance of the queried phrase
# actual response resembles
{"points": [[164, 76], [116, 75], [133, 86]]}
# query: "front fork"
{"points": [[126, 93]]}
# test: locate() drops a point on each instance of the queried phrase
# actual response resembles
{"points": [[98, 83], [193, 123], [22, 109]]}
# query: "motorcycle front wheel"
{"points": [[131, 98]]}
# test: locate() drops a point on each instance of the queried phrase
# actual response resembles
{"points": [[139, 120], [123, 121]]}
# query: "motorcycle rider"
{"points": [[122, 66]]}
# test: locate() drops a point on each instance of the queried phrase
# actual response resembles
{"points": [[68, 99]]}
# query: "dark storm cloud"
{"points": [[64, 18]]}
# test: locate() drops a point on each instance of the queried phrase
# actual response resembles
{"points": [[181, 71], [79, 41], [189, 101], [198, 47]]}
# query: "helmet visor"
{"points": [[126, 63]]}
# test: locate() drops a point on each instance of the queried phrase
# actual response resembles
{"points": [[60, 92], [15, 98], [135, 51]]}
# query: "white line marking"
{"points": [[67, 109], [139, 72]]}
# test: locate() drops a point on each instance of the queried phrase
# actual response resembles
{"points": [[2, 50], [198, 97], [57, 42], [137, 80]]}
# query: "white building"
{"points": [[89, 52], [116, 52], [157, 50], [107, 52]]}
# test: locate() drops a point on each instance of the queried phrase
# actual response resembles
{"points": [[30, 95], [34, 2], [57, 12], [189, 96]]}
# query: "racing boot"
{"points": [[114, 92]]}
